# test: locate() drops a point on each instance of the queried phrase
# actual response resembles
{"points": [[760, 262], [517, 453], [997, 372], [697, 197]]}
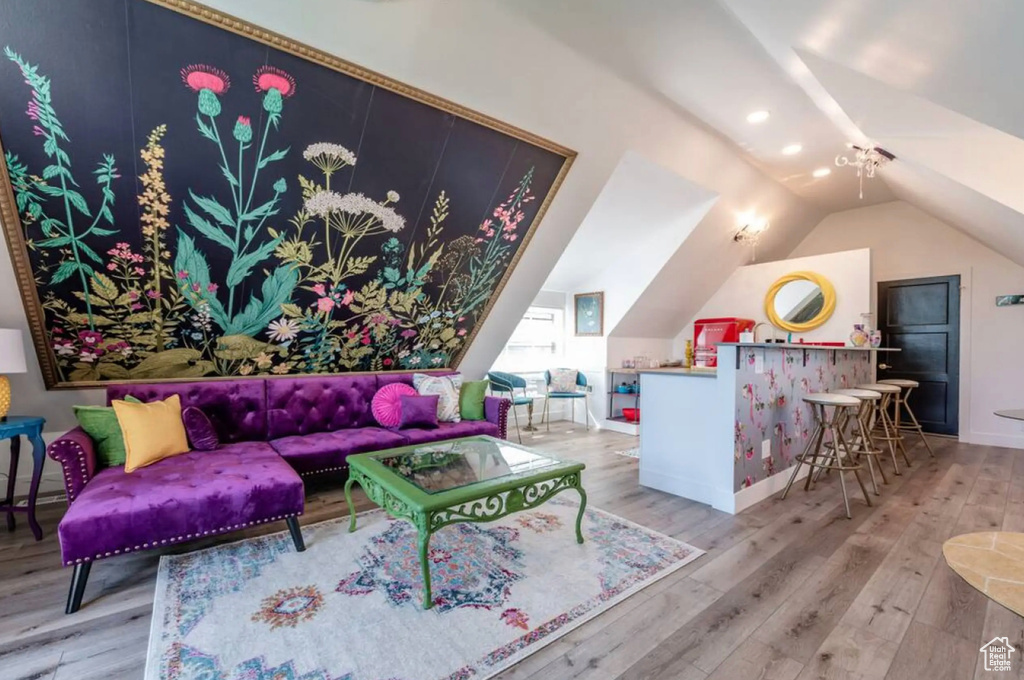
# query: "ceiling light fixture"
{"points": [[867, 161], [792, 149], [758, 117], [822, 172]]}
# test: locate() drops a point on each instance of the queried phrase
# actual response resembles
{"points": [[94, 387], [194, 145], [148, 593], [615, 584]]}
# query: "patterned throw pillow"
{"points": [[444, 386], [386, 405], [563, 380]]}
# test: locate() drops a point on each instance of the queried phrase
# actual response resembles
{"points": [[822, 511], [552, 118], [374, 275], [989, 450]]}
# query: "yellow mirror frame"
{"points": [[827, 292]]}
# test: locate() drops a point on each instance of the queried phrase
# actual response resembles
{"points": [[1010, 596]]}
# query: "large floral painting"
{"points": [[188, 197]]}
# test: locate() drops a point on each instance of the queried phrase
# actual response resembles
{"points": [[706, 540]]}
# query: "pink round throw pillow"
{"points": [[387, 405]]}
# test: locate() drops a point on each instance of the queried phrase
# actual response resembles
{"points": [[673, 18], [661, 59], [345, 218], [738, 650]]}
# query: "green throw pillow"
{"points": [[471, 400], [100, 423]]}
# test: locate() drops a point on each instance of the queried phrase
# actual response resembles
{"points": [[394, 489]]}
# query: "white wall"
{"points": [[908, 243], [744, 292]]}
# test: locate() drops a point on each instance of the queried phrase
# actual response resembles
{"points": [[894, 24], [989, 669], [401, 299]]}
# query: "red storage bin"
{"points": [[632, 415], [707, 333]]}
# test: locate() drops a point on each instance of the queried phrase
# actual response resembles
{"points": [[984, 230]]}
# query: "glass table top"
{"points": [[450, 465]]}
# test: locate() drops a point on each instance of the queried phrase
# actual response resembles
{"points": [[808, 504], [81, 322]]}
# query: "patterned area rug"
{"points": [[349, 607]]}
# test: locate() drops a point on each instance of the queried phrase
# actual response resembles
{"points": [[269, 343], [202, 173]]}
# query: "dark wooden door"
{"points": [[922, 318]]}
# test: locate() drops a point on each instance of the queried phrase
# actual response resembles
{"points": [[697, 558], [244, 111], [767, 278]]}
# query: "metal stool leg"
{"points": [[800, 460], [915, 424]]}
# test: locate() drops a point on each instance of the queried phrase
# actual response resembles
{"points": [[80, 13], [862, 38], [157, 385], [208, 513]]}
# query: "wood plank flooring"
{"points": [[789, 590]]}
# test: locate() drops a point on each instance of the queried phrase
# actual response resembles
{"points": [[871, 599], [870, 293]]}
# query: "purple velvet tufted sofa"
{"points": [[272, 433]]}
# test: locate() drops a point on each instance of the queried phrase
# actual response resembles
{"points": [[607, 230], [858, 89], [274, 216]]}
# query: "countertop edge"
{"points": [[787, 345]]}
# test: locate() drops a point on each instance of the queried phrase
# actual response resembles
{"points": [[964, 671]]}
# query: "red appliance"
{"points": [[707, 333]]}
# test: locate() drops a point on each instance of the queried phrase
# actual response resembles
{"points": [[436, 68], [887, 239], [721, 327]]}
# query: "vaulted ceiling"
{"points": [[935, 83]]}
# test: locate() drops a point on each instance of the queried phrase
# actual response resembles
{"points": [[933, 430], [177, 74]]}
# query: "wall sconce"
{"points": [[751, 230]]}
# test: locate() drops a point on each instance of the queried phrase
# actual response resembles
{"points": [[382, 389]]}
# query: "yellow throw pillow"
{"points": [[152, 431]]}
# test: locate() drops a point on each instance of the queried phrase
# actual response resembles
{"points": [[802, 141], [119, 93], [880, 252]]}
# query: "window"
{"points": [[537, 341]]}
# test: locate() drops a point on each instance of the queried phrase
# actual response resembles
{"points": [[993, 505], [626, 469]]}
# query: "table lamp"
{"points": [[12, 360]]}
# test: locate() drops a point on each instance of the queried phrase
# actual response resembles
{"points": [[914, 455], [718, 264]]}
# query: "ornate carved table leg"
{"points": [[348, 501], [11, 478], [579, 515], [38, 458], [424, 542]]}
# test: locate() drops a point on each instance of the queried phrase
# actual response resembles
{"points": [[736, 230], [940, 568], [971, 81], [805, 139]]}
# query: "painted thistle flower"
{"points": [[275, 84], [280, 186], [209, 82], [243, 129]]}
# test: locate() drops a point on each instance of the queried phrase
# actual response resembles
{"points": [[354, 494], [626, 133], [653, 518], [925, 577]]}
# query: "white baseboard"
{"points": [[624, 428], [995, 439], [766, 488], [687, 488]]}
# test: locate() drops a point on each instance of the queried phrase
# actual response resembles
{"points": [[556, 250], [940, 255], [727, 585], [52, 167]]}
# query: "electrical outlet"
{"points": [[766, 449]]}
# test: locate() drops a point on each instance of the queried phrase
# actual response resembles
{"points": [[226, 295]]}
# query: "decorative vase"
{"points": [[859, 337], [875, 338]]}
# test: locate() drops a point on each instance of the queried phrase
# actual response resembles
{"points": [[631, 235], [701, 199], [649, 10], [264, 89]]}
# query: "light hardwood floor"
{"points": [[789, 590]]}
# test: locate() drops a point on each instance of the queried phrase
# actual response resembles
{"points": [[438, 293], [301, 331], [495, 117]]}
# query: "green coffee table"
{"points": [[477, 479]]}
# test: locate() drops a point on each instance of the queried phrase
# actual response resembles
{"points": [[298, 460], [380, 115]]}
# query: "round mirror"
{"points": [[800, 301]]}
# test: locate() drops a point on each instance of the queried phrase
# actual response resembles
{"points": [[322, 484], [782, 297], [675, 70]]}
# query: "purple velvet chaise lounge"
{"points": [[272, 433]]}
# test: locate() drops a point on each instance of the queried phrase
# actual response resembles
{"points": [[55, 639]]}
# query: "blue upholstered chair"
{"points": [[503, 384], [579, 393]]}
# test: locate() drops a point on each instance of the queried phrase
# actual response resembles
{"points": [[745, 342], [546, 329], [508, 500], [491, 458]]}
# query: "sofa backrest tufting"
{"points": [[237, 408], [252, 409], [300, 406]]}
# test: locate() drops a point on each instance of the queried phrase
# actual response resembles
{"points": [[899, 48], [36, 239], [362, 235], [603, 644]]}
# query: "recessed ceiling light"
{"points": [[792, 149], [822, 172], [758, 117]]}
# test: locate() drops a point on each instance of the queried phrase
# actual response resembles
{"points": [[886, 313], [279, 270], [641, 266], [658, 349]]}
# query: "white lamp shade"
{"points": [[12, 351]]}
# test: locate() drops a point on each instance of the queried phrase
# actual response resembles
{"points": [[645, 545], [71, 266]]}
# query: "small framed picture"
{"points": [[589, 314], [1009, 300]]}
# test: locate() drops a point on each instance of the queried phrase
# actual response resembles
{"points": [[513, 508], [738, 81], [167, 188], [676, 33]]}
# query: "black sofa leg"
{"points": [[78, 580], [296, 532]]}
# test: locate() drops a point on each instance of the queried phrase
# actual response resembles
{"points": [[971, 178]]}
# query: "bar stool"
{"points": [[859, 433], [834, 457], [880, 419], [906, 387]]}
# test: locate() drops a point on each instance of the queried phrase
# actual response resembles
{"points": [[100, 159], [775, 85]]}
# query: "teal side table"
{"points": [[13, 428]]}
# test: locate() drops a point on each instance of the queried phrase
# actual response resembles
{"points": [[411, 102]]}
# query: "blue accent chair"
{"points": [[507, 383], [581, 382]]}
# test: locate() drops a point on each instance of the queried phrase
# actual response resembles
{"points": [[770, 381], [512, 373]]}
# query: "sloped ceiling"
{"points": [[699, 57], [935, 83]]}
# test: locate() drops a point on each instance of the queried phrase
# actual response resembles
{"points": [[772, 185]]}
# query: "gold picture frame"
{"points": [[18, 248]]}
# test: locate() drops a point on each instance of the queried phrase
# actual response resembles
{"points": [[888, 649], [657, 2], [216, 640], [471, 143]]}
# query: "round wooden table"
{"points": [[1017, 414]]}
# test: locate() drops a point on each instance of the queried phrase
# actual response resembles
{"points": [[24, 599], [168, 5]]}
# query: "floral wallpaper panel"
{"points": [[194, 203], [770, 405]]}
